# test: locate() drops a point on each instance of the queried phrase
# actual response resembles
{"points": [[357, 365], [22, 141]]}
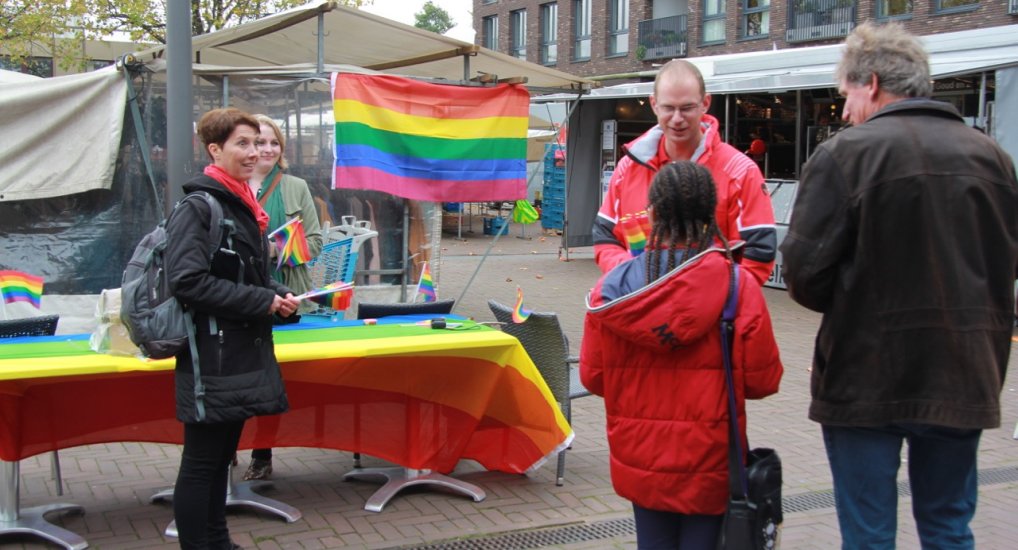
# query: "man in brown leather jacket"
{"points": [[905, 236]]}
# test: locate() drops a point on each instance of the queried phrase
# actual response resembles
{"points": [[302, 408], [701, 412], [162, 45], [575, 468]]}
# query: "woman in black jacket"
{"points": [[232, 298]]}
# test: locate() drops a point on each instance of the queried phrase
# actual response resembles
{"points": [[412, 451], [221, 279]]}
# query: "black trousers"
{"points": [[199, 497]]}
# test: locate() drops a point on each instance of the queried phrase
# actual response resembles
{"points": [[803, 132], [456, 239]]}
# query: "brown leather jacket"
{"points": [[905, 236]]}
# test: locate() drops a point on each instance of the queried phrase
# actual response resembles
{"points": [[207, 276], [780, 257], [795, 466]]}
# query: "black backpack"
{"points": [[155, 320]]}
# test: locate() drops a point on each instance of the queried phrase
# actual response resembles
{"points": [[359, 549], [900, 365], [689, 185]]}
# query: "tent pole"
{"points": [[406, 250], [179, 100], [321, 42]]}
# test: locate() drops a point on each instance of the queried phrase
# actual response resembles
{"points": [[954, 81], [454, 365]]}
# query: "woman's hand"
{"points": [[285, 307]]}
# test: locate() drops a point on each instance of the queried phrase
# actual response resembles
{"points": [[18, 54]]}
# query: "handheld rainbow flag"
{"points": [[432, 142], [335, 296], [519, 313], [16, 286], [426, 285], [636, 227], [291, 243]]}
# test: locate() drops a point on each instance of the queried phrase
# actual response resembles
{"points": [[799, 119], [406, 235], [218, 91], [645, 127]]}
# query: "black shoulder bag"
{"points": [[753, 518]]}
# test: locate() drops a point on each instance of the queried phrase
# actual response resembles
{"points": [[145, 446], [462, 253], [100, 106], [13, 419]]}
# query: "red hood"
{"points": [[685, 304]]}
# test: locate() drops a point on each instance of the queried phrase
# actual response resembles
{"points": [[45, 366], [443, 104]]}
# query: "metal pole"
{"points": [[179, 100]]}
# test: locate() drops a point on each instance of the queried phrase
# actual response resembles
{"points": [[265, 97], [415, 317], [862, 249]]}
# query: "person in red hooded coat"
{"points": [[652, 349]]}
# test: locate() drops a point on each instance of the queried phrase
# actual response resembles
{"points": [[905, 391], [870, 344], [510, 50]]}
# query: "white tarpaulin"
{"points": [[61, 135]]}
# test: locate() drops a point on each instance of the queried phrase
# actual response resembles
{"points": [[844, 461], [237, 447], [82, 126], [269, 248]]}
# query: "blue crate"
{"points": [[554, 193], [555, 203], [495, 225]]}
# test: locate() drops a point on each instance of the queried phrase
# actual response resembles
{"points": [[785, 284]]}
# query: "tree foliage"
{"points": [[58, 27], [433, 18]]}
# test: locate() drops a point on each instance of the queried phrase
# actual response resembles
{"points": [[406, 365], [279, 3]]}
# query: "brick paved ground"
{"points": [[114, 482]]}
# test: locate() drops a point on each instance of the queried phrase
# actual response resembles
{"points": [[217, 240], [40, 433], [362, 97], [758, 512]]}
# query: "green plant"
{"points": [[641, 52]]}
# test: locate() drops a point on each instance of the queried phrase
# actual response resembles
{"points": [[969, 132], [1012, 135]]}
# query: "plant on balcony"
{"points": [[641, 52]]}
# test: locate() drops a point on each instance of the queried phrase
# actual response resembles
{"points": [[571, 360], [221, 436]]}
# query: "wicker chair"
{"points": [[43, 325], [541, 335]]}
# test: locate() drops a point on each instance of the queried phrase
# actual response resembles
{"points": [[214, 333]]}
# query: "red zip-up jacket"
{"points": [[744, 210], [654, 354]]}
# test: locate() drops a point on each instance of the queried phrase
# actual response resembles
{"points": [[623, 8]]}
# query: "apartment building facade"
{"points": [[613, 40]]}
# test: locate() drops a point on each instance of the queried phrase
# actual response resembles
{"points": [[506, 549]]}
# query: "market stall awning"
{"points": [[353, 37], [951, 54]]}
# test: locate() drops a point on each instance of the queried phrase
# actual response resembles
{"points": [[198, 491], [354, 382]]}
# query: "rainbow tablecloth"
{"points": [[419, 397]]}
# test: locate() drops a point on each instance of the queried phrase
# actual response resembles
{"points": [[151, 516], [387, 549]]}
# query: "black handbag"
{"points": [[753, 518]]}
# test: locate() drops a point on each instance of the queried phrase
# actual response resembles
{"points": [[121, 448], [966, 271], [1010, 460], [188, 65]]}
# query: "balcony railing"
{"points": [[663, 38], [820, 19], [1012, 6]]}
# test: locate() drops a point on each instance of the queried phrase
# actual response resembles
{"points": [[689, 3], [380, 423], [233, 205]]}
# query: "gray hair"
{"points": [[896, 56]]}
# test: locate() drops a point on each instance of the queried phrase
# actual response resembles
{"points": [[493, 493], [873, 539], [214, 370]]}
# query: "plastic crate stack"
{"points": [[553, 200]]}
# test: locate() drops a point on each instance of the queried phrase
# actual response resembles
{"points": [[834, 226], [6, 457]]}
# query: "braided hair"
{"points": [[683, 198]]}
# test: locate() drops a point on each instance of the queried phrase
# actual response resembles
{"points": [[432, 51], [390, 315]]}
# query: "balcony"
{"points": [[663, 38], [820, 19]]}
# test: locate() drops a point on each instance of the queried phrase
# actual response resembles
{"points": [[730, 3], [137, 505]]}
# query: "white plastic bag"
{"points": [[110, 335]]}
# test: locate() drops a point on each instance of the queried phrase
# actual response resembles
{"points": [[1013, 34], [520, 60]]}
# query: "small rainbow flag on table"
{"points": [[636, 227], [426, 285], [335, 296], [16, 286], [291, 243], [431, 142], [519, 313]]}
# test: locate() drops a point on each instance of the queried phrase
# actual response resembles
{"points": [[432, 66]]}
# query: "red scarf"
{"points": [[242, 191]]}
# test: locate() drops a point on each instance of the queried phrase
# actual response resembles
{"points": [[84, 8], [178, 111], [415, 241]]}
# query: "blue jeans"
{"points": [[656, 530], [941, 471]]}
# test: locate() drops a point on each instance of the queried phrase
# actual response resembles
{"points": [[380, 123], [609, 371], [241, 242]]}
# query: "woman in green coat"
{"points": [[283, 197]]}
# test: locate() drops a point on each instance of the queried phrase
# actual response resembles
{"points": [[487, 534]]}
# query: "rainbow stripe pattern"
{"points": [[292, 244], [426, 285], [520, 314], [636, 227], [431, 142], [495, 407], [16, 286], [336, 296]]}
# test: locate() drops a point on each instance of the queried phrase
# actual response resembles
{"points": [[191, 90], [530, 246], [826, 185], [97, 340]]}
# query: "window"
{"points": [[713, 21], [894, 8], [549, 33], [488, 2], [489, 30], [756, 18], [955, 5], [519, 33], [581, 29], [618, 28], [38, 66]]}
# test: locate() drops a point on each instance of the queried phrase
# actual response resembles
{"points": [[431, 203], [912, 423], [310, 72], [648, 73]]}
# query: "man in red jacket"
{"points": [[685, 131]]}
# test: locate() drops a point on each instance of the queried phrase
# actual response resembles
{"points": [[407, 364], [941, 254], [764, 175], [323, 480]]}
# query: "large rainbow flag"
{"points": [[433, 142]]}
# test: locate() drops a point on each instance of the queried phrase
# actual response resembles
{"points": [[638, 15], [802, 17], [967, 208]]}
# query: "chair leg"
{"points": [[561, 475], [55, 472]]}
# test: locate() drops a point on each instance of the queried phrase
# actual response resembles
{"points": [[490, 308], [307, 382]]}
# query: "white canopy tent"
{"points": [[322, 33]]}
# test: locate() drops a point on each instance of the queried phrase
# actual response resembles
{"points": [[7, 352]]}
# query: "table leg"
{"points": [[31, 521], [398, 478], [240, 494]]}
